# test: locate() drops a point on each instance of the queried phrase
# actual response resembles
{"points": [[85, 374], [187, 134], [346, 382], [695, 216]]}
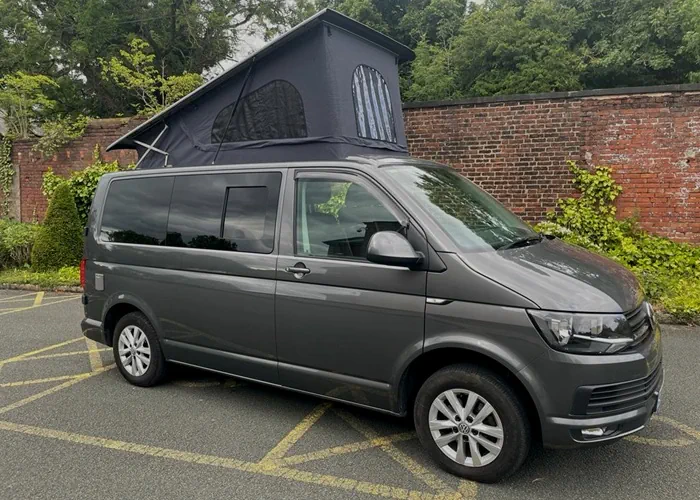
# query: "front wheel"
{"points": [[472, 423]]}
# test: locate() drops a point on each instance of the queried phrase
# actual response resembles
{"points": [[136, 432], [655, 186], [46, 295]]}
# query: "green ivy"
{"points": [[7, 174], [669, 271], [82, 183], [59, 132]]}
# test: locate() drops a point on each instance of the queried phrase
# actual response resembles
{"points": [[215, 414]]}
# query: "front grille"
{"points": [[623, 396], [640, 323]]}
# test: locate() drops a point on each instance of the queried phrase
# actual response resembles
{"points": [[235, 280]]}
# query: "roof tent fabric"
{"points": [[327, 89]]}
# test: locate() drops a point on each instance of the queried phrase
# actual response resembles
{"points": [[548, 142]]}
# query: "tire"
{"points": [[478, 386], [150, 371]]}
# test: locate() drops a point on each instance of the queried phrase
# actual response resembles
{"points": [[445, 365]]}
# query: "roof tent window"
{"points": [[373, 110], [274, 111]]}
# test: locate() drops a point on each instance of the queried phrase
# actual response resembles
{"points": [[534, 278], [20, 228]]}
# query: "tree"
{"points": [[23, 102], [64, 39], [134, 71], [60, 241]]}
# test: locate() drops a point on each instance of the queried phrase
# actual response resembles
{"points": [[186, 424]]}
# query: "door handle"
{"points": [[299, 270]]}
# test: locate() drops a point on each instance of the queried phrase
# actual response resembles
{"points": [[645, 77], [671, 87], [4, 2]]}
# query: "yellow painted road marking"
{"points": [[347, 448], [61, 354], [668, 443], [38, 299], [281, 449], [40, 380], [39, 351], [53, 390], [680, 426], [15, 297], [350, 485], [94, 354], [41, 305], [397, 455]]}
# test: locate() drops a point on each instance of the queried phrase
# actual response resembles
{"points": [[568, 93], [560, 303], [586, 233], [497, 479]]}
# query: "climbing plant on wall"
{"points": [[7, 173]]}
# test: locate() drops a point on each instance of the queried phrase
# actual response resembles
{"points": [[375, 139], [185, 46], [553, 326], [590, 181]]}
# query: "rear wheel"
{"points": [[137, 351], [472, 423]]}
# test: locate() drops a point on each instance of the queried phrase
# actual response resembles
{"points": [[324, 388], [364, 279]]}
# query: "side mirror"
{"points": [[392, 249]]}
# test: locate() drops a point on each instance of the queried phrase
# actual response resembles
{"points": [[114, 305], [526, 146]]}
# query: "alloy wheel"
{"points": [[134, 351], [466, 427]]}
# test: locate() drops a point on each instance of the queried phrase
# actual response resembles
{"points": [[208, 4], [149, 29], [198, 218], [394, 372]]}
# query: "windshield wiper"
{"points": [[521, 242]]}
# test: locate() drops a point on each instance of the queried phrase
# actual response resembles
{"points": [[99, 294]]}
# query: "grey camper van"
{"points": [[329, 262]]}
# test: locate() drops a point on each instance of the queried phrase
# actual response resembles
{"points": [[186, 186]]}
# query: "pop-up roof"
{"points": [[327, 89]]}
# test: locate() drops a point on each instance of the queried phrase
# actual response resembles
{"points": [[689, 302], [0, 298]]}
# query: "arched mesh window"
{"points": [[274, 111], [373, 110]]}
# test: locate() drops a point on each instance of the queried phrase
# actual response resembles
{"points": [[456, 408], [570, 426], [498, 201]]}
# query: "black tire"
{"points": [[513, 417], [156, 370]]}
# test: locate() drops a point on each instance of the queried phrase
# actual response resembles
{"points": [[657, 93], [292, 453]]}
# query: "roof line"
{"points": [[328, 16]]}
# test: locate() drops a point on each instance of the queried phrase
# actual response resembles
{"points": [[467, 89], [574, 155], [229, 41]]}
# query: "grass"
{"points": [[66, 276]]}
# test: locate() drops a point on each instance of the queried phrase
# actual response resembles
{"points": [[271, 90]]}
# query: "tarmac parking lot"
{"points": [[71, 427]]}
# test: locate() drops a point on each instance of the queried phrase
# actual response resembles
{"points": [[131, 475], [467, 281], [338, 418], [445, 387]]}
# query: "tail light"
{"points": [[82, 273]]}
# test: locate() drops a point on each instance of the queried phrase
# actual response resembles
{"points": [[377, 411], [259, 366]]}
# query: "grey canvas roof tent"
{"points": [[327, 89]]}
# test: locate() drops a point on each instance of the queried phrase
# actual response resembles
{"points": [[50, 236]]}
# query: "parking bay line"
{"points": [[281, 449], [350, 485], [38, 299], [41, 380], [60, 355], [39, 351], [40, 305], [53, 390]]}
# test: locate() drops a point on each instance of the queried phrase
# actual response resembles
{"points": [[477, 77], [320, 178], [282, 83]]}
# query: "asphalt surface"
{"points": [[71, 427]]}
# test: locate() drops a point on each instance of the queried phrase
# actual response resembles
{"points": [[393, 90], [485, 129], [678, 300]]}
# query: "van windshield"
{"points": [[470, 216]]}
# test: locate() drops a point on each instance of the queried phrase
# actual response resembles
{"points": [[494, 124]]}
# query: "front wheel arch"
{"points": [[428, 363]]}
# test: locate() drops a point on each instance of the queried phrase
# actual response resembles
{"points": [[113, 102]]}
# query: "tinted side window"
{"points": [[136, 211], [337, 218], [235, 212]]}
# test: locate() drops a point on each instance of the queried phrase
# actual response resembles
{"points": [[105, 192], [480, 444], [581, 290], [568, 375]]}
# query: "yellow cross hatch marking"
{"points": [[39, 351], [228, 463], [94, 354], [60, 355], [41, 380], [40, 305], [53, 390], [296, 434], [15, 297]]}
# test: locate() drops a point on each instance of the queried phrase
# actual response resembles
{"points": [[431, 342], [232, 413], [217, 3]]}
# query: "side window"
{"points": [[136, 211], [373, 112], [336, 218], [274, 111], [234, 212]]}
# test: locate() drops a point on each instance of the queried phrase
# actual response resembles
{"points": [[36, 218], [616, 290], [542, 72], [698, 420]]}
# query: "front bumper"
{"points": [[557, 381], [566, 432]]}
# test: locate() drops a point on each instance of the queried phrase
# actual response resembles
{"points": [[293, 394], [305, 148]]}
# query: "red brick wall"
{"points": [[517, 149], [31, 165]]}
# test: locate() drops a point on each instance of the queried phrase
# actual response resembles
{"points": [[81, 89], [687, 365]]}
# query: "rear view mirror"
{"points": [[392, 249]]}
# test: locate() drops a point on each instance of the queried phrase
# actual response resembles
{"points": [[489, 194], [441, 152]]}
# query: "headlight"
{"points": [[583, 333]]}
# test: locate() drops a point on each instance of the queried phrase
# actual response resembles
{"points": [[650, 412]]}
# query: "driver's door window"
{"points": [[337, 218]]}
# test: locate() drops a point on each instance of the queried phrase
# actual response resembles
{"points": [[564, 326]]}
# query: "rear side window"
{"points": [[233, 212], [136, 211]]}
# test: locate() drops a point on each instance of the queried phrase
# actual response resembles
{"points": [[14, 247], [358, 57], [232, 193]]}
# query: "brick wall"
{"points": [[517, 148], [30, 203]]}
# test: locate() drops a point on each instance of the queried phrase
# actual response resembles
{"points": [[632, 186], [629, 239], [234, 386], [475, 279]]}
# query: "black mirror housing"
{"points": [[392, 249]]}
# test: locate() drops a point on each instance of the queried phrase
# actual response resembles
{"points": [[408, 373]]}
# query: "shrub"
{"points": [[82, 183], [16, 241], [59, 242], [65, 276], [669, 271]]}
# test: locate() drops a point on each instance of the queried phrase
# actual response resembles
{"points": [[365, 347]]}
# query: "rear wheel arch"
{"points": [[423, 366], [112, 317]]}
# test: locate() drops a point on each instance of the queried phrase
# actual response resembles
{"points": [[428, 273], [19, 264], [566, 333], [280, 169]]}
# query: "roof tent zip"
{"points": [[233, 111]]}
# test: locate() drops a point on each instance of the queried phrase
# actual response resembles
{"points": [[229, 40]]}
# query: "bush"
{"points": [[82, 183], [65, 276], [668, 271], [16, 241], [59, 242]]}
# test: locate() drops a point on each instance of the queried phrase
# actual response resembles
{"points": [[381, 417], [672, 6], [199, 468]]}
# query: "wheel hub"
{"points": [[463, 428]]}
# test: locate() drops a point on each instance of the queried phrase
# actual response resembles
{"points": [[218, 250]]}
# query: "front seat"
{"points": [[322, 228]]}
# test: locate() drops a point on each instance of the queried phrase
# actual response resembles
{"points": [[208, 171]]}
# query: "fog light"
{"points": [[593, 432]]}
